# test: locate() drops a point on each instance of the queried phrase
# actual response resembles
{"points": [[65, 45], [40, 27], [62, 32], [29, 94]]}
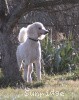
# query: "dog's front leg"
{"points": [[38, 69], [30, 70], [26, 73]]}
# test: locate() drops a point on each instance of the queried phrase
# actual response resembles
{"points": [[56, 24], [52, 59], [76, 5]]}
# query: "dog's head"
{"points": [[36, 30]]}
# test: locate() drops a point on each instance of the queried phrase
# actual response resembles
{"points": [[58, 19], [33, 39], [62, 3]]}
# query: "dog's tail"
{"points": [[22, 35]]}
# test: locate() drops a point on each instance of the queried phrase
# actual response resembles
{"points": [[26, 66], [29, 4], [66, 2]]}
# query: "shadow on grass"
{"points": [[34, 84], [9, 82], [4, 83]]}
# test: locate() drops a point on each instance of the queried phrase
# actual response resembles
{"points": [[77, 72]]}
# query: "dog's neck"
{"points": [[36, 40]]}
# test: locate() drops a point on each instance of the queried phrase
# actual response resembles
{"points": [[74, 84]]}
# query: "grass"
{"points": [[51, 88]]}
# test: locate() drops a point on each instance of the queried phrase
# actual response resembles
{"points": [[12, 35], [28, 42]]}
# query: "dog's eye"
{"points": [[39, 28]]}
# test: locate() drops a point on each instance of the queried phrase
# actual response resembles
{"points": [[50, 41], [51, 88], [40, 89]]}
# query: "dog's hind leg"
{"points": [[19, 61], [38, 69]]}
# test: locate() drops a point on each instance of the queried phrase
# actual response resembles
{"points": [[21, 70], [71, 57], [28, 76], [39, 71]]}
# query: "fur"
{"points": [[29, 50]]}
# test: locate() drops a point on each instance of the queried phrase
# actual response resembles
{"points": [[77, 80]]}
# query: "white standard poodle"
{"points": [[29, 50]]}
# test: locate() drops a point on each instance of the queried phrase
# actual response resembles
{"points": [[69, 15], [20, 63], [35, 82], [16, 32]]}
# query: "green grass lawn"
{"points": [[51, 88]]}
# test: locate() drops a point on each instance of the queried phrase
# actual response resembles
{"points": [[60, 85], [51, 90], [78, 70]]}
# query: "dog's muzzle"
{"points": [[46, 32]]}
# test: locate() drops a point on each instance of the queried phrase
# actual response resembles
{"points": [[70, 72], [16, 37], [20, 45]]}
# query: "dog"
{"points": [[29, 50]]}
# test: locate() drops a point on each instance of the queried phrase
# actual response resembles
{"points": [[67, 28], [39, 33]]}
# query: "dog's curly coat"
{"points": [[29, 50]]}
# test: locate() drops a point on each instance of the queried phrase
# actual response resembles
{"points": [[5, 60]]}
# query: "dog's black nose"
{"points": [[46, 31]]}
